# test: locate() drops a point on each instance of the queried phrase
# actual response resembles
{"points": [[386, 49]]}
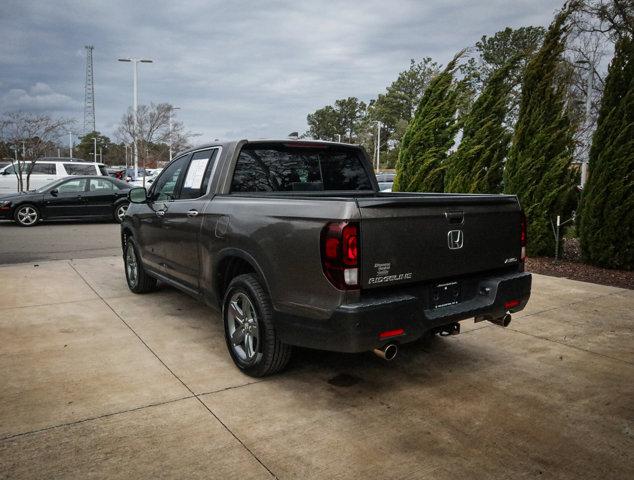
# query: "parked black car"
{"points": [[68, 198]]}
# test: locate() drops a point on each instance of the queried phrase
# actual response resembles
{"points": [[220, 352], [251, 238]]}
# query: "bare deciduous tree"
{"points": [[153, 127], [31, 136]]}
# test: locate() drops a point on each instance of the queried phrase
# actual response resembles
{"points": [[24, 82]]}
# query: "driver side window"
{"points": [[164, 188]]}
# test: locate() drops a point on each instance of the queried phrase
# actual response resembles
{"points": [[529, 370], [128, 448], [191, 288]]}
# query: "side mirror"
{"points": [[54, 192], [5, 172], [137, 195]]}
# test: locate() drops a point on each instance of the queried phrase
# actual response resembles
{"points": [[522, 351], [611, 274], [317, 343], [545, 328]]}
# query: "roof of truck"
{"points": [[299, 141]]}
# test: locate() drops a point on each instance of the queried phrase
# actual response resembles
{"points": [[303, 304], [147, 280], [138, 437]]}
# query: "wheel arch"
{"points": [[231, 263]]}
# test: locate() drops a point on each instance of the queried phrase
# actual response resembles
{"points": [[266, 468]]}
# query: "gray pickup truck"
{"points": [[293, 243]]}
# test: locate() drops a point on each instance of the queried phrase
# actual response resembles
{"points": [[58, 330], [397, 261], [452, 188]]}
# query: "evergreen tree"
{"points": [[429, 136], [538, 165], [476, 167], [607, 211]]}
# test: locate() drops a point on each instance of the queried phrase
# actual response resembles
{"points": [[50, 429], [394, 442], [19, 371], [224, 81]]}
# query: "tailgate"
{"points": [[410, 238]]}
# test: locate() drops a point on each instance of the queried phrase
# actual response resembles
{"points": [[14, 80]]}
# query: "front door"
{"points": [[66, 199], [183, 218], [151, 215]]}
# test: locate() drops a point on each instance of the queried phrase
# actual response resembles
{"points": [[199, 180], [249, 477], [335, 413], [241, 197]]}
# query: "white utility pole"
{"points": [[586, 158], [94, 141], [339, 137], [170, 126], [135, 95], [70, 144], [378, 146]]}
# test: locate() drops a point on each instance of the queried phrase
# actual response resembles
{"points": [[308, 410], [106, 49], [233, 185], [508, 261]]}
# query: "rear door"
{"points": [[100, 197], [428, 237], [42, 173], [183, 217]]}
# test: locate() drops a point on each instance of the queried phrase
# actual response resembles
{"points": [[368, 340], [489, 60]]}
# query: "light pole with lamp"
{"points": [[135, 95]]}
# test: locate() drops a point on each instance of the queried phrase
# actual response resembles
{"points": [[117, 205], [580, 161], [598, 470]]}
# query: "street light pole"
{"points": [[94, 140], [70, 144], [135, 95]]}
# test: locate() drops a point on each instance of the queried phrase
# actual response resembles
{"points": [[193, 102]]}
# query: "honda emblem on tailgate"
{"points": [[455, 239]]}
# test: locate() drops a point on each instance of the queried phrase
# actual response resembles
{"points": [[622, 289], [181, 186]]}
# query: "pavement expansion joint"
{"points": [[193, 394]]}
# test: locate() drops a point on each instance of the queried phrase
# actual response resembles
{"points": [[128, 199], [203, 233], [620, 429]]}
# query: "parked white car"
{"points": [[46, 170]]}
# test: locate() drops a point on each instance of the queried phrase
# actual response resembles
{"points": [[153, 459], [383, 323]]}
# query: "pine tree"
{"points": [[607, 210], [429, 136], [476, 167], [538, 165]]}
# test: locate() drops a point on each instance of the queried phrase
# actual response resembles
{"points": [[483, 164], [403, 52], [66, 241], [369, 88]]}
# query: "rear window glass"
{"points": [[79, 169], [288, 168]]}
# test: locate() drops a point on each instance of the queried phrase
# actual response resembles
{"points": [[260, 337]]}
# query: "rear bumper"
{"points": [[356, 327]]}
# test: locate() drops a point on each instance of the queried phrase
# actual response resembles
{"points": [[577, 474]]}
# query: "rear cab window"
{"points": [[280, 167]]}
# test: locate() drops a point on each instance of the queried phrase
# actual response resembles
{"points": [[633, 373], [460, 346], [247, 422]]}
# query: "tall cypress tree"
{"points": [[429, 136], [538, 166], [476, 167], [607, 209]]}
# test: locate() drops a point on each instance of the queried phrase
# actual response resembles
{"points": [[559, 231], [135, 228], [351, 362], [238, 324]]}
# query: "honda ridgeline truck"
{"points": [[295, 245]]}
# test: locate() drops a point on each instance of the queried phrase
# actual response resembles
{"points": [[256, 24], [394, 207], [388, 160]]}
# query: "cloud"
{"points": [[247, 68], [39, 98]]}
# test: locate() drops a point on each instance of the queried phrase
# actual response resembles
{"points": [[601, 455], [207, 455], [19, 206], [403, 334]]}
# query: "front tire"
{"points": [[26, 215], [119, 211], [136, 276], [250, 335]]}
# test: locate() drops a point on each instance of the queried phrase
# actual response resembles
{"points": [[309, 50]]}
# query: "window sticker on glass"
{"points": [[196, 173]]}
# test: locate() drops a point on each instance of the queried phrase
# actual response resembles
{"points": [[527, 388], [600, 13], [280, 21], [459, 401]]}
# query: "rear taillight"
{"points": [[523, 238], [340, 254]]}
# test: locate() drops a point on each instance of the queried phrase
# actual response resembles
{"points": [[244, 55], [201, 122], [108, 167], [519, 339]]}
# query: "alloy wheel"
{"points": [[120, 212], [132, 266], [27, 215], [244, 332]]}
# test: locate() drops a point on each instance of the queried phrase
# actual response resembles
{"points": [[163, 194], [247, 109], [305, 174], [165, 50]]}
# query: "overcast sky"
{"points": [[235, 68]]}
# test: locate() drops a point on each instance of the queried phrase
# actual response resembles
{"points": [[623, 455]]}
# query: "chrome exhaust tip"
{"points": [[387, 352], [504, 321]]}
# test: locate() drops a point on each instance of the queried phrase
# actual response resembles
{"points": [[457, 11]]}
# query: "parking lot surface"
{"points": [[100, 383], [58, 241]]}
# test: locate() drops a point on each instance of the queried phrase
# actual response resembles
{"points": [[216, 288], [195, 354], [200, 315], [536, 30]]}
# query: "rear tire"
{"points": [[26, 215], [136, 276], [119, 211], [251, 338]]}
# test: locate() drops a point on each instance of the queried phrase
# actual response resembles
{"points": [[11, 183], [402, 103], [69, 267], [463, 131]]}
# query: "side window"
{"points": [[79, 169], [101, 186], [43, 169], [163, 188], [72, 186], [198, 173]]}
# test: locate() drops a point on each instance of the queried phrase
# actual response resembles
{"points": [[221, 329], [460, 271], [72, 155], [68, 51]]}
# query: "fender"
{"points": [[247, 257]]}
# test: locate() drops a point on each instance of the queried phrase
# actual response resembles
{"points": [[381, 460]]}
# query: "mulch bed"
{"points": [[581, 271]]}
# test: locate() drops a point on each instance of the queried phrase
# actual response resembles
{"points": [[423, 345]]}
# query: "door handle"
{"points": [[160, 213], [192, 213]]}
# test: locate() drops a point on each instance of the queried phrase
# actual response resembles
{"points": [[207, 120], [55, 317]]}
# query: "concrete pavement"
{"points": [[98, 382], [58, 241]]}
